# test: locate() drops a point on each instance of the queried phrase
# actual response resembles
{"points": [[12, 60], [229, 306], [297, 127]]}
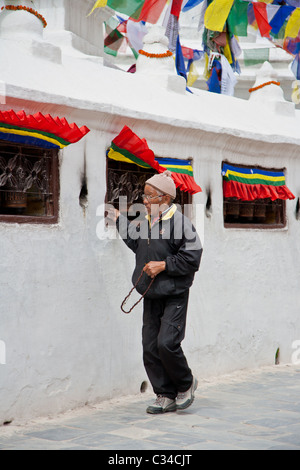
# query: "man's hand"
{"points": [[153, 268]]}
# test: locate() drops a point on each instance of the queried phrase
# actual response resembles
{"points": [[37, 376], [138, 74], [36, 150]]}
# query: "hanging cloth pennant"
{"points": [[176, 7], [193, 74], [131, 8], [293, 26], [112, 41], [39, 130], [296, 66], [238, 19], [129, 148], [179, 60], [136, 33], [98, 4], [249, 184], [151, 11], [216, 14], [213, 82], [280, 17], [261, 16], [191, 4]]}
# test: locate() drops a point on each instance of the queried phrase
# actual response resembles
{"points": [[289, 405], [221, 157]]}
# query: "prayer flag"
{"points": [[131, 8], [151, 11], [238, 18], [279, 19], [293, 26], [216, 14], [191, 4], [176, 7], [193, 75], [179, 60], [214, 83], [98, 4], [261, 15], [256, 56], [296, 66], [112, 41]]}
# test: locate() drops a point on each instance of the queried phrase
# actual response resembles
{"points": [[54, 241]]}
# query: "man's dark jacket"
{"points": [[172, 239]]}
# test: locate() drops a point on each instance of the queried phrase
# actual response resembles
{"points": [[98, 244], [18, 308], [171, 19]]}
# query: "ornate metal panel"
{"points": [[28, 183]]}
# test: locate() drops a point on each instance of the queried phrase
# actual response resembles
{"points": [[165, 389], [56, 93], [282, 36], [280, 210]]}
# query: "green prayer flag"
{"points": [[256, 56], [238, 18], [128, 7]]}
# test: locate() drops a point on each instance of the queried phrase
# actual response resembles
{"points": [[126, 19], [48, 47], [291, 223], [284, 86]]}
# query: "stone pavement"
{"points": [[257, 410]]}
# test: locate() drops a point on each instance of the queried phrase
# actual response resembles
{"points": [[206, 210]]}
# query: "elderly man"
{"points": [[169, 253]]}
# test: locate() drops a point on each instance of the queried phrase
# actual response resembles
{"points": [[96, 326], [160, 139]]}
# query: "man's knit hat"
{"points": [[163, 182]]}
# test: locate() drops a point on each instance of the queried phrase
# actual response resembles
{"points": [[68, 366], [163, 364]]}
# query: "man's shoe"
{"points": [[184, 400], [162, 405]]}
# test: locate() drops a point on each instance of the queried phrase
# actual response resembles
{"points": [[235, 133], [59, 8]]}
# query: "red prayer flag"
{"points": [[176, 7], [261, 16], [151, 11]]}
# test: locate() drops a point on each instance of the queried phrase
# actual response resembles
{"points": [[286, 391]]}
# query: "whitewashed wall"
{"points": [[67, 341]]}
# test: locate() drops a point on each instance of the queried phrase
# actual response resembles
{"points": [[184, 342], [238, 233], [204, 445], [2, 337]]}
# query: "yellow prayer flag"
{"points": [[227, 52], [98, 4], [293, 26], [217, 14], [193, 75]]}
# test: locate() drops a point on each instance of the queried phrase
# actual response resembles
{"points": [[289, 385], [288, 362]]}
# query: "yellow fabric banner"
{"points": [[98, 4], [293, 26], [217, 14]]}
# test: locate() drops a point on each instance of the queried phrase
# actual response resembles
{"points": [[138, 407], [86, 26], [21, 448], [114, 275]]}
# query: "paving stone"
{"points": [[258, 410]]}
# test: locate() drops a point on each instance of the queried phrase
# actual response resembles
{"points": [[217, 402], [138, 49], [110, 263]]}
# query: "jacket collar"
{"points": [[167, 214]]}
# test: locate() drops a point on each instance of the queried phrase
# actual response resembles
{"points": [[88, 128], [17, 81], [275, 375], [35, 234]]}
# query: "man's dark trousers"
{"points": [[164, 323]]}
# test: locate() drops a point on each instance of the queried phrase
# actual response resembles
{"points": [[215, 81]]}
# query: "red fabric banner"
{"points": [[261, 16], [251, 192], [59, 127], [130, 142], [176, 7], [151, 11]]}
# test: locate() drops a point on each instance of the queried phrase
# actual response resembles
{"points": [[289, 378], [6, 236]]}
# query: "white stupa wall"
{"points": [[67, 343]]}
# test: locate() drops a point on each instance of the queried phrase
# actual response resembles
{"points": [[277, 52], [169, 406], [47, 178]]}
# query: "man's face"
{"points": [[153, 202]]}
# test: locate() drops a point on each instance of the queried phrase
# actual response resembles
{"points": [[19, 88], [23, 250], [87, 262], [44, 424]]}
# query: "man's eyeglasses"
{"points": [[149, 198]]}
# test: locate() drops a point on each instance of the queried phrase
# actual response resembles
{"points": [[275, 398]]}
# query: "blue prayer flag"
{"points": [[279, 19]]}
